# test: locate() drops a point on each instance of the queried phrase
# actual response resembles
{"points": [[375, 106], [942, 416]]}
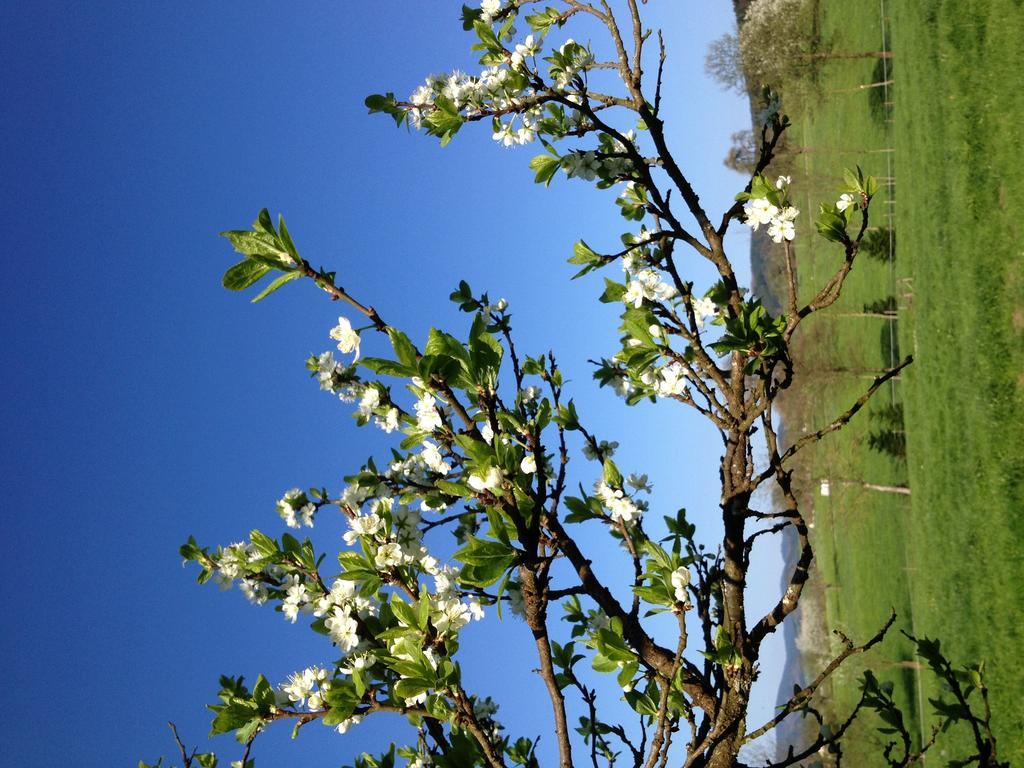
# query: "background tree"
{"points": [[742, 154], [724, 63], [489, 435]]}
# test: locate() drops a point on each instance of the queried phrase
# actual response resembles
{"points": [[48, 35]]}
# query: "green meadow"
{"points": [[945, 136]]}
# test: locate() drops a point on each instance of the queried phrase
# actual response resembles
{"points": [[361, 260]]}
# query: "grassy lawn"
{"points": [[948, 558]]}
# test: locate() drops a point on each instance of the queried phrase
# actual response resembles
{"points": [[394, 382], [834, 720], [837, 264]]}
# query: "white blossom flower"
{"points": [[445, 585], [423, 96], [487, 433], [476, 610], [607, 448], [490, 9], [346, 336], [389, 422], [343, 629], [388, 556], [704, 307], [529, 464], [344, 725], [405, 519], [781, 229], [295, 598], [620, 506], [783, 181], [419, 698], [326, 367], [306, 513], [623, 388], [671, 381], [255, 592], [487, 481], [450, 615], [427, 417], [301, 685], [759, 211], [369, 401], [647, 284], [845, 201], [342, 592], [640, 482], [523, 50], [292, 501], [680, 581], [530, 394], [584, 165], [353, 496], [362, 525], [431, 456], [357, 662]]}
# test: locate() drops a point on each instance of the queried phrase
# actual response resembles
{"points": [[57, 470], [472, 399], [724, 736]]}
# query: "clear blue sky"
{"points": [[143, 403]]}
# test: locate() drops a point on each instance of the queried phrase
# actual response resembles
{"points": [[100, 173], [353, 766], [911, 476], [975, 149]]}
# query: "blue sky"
{"points": [[143, 403]]}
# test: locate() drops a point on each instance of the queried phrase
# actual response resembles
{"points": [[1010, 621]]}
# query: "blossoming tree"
{"points": [[484, 436]]}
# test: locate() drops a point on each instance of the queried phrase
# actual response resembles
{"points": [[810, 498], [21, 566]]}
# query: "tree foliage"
{"points": [[484, 435]]}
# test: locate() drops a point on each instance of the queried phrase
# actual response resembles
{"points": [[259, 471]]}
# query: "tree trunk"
{"points": [[730, 722]]}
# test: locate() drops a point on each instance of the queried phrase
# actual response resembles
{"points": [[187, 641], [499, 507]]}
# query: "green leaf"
{"points": [[286, 239], [405, 351], [408, 687], [404, 612], [387, 367], [612, 475], [287, 277], [263, 222], [243, 274], [545, 168], [485, 561], [613, 291], [232, 716], [263, 695]]}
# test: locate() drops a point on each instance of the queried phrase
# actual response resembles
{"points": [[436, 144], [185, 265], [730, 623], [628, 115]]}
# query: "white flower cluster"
{"points": [[449, 614], [508, 135], [296, 598], [760, 210], [307, 688], [582, 165], [647, 285], [370, 404], [680, 581], [668, 381], [620, 506], [526, 49], [327, 370], [619, 167], [489, 9], [605, 448], [431, 456], [575, 59], [428, 418], [496, 88], [703, 308], [295, 509], [396, 545], [488, 480], [234, 564]]}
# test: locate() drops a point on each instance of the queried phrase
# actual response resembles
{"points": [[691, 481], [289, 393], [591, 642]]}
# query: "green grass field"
{"points": [[948, 558]]}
